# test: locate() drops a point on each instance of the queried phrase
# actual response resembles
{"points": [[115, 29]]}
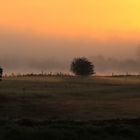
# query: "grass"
{"points": [[70, 130], [65, 107], [71, 98]]}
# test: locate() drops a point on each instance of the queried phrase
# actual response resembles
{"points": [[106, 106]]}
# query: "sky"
{"points": [[52, 32]]}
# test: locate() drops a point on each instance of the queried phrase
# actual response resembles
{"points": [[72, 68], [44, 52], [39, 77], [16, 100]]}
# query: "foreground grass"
{"points": [[65, 108], [70, 130]]}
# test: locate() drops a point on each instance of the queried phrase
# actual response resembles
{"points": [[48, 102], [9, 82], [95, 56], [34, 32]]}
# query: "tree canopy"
{"points": [[82, 66]]}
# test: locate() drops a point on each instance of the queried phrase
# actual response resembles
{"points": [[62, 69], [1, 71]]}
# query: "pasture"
{"points": [[71, 98], [72, 108]]}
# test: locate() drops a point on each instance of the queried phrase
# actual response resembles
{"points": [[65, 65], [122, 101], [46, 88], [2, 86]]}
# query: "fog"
{"points": [[25, 52]]}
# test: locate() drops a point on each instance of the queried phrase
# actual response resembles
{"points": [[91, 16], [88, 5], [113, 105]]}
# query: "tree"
{"points": [[82, 66], [1, 72]]}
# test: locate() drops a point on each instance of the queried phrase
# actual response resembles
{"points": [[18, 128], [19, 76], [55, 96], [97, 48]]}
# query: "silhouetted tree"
{"points": [[82, 66], [1, 72]]}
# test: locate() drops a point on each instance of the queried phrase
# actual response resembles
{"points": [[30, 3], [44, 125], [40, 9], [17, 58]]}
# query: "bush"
{"points": [[82, 66], [1, 72]]}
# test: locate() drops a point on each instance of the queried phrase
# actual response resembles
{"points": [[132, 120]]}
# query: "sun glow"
{"points": [[101, 18]]}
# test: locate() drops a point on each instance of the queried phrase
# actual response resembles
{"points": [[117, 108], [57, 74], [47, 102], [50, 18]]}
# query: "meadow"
{"points": [[68, 107]]}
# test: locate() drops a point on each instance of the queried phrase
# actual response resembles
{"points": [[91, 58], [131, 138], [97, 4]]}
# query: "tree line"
{"points": [[79, 66]]}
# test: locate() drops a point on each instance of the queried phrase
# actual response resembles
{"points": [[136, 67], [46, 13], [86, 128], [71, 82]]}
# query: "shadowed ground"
{"points": [[70, 130]]}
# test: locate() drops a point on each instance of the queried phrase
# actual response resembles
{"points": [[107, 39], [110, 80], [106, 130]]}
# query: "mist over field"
{"points": [[23, 52]]}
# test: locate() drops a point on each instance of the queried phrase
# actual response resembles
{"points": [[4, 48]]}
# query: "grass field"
{"points": [[70, 98], [66, 101]]}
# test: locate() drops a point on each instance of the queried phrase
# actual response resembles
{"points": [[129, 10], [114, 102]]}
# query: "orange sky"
{"points": [[93, 18]]}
